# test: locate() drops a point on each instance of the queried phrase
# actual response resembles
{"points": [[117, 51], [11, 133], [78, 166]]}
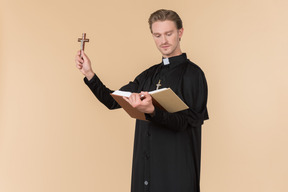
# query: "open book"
{"points": [[164, 99]]}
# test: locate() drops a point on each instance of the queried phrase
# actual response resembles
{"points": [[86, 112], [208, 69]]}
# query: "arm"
{"points": [[95, 84], [174, 121], [195, 96], [102, 93]]}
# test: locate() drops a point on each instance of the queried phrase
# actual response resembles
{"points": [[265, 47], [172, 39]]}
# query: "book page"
{"points": [[156, 91], [122, 93]]}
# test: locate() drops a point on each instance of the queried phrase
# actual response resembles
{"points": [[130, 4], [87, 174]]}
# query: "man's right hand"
{"points": [[84, 65]]}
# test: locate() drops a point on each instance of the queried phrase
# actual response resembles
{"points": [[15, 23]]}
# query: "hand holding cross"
{"points": [[83, 63]]}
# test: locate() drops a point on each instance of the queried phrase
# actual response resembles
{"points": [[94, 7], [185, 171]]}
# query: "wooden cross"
{"points": [[158, 84], [83, 40]]}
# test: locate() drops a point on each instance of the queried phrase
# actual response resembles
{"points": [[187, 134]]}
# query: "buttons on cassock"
{"points": [[147, 156]]}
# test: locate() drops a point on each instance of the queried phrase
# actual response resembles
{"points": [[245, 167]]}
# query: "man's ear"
{"points": [[180, 32]]}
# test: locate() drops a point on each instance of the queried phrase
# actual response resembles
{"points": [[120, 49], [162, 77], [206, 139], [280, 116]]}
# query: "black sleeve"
{"points": [[103, 93], [195, 92]]}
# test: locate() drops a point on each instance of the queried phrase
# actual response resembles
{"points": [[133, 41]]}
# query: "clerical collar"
{"points": [[166, 61], [175, 60]]}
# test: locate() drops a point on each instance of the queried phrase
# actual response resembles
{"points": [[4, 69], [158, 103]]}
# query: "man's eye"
{"points": [[169, 34]]}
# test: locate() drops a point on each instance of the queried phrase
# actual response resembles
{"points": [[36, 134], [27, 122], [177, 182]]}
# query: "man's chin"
{"points": [[165, 52]]}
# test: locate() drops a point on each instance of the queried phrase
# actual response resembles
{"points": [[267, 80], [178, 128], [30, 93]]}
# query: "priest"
{"points": [[167, 147]]}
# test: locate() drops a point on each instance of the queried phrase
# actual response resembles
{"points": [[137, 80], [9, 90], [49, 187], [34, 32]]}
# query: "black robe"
{"points": [[167, 147]]}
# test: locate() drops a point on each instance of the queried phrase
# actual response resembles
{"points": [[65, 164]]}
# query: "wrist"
{"points": [[89, 75], [152, 113]]}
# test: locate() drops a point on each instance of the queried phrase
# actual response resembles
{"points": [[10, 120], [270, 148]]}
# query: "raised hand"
{"points": [[83, 63]]}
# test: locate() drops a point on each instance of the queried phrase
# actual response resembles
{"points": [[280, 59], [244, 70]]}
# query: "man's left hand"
{"points": [[141, 101]]}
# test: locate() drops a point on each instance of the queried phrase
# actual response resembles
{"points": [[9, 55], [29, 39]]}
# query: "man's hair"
{"points": [[163, 15]]}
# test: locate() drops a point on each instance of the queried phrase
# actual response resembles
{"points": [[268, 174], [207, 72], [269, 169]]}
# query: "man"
{"points": [[167, 147]]}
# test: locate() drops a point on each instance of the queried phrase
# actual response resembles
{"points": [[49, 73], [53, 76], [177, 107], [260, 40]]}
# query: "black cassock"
{"points": [[167, 147]]}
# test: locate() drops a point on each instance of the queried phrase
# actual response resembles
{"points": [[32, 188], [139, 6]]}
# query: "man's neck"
{"points": [[174, 55]]}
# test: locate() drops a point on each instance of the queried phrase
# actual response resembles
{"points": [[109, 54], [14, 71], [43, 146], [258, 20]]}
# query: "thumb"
{"points": [[144, 93], [83, 55]]}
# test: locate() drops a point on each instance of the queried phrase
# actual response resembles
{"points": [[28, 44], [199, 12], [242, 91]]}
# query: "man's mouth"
{"points": [[164, 46]]}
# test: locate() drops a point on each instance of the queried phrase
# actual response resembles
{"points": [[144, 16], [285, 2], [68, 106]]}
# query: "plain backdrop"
{"points": [[56, 137]]}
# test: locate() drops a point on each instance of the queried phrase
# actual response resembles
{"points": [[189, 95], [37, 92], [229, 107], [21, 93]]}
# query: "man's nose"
{"points": [[164, 39]]}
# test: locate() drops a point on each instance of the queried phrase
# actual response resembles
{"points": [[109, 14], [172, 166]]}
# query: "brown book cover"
{"points": [[164, 99]]}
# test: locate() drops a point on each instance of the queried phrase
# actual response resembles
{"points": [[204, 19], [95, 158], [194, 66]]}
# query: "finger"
{"points": [[127, 99], [136, 97], [132, 98], [79, 66], [79, 62], [83, 55], [144, 93], [78, 58]]}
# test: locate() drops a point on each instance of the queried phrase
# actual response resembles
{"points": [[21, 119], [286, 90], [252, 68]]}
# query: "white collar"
{"points": [[166, 61]]}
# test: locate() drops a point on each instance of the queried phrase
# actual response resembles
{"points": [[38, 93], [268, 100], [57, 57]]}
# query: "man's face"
{"points": [[167, 37]]}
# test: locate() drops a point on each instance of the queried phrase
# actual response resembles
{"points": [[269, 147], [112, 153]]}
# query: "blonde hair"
{"points": [[163, 15]]}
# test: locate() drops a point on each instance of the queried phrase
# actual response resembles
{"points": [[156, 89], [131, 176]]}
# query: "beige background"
{"points": [[56, 137]]}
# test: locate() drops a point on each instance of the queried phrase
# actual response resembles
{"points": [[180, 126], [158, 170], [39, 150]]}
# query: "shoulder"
{"points": [[151, 69], [193, 69]]}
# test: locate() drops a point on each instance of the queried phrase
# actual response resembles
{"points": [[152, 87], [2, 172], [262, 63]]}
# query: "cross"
{"points": [[83, 40], [158, 84]]}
